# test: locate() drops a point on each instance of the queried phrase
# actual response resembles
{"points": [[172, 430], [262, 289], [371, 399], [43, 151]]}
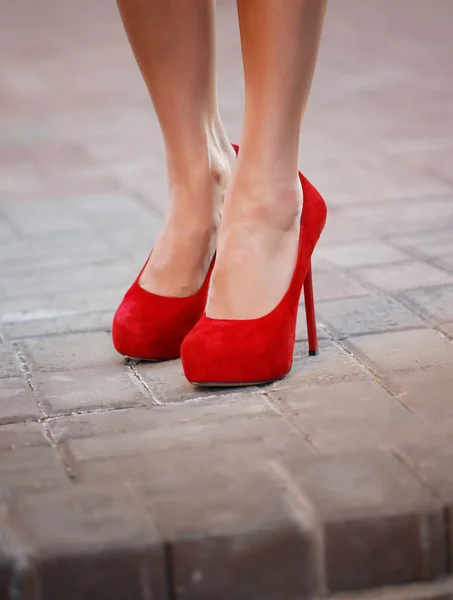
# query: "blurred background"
{"points": [[75, 116]]}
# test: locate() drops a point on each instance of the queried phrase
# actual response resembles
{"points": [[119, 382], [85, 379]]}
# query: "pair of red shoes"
{"points": [[218, 352]]}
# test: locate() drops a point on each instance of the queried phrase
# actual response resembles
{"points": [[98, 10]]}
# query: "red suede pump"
{"points": [[245, 352], [147, 326], [151, 327]]}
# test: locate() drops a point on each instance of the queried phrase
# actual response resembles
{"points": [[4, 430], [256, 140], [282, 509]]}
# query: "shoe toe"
{"points": [[143, 336], [219, 352]]}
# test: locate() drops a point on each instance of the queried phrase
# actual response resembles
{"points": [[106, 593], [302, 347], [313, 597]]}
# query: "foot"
{"points": [[183, 252], [256, 248]]}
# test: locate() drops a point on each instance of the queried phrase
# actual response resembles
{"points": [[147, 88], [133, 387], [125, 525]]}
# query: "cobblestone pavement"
{"points": [[121, 480]]}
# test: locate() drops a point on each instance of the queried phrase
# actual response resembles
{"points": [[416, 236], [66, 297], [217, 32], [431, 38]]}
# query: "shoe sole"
{"points": [[226, 384], [150, 360], [231, 384]]}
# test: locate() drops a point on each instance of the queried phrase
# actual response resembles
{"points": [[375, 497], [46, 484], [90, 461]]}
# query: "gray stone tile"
{"points": [[89, 389], [42, 218], [17, 402], [403, 350], [24, 458], [331, 365], [39, 307], [394, 278], [93, 321], [56, 249], [71, 351], [361, 254], [427, 392], [415, 216], [434, 301], [368, 500], [63, 279], [77, 521], [199, 435], [353, 316], [22, 434], [209, 410], [9, 363], [335, 285], [348, 416]]}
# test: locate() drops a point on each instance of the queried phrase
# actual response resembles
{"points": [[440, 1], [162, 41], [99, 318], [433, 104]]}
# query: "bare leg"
{"points": [[173, 42], [258, 238]]}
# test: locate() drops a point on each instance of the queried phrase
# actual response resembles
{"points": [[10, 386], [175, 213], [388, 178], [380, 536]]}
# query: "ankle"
{"points": [[204, 153], [199, 174], [266, 154], [221, 153], [263, 199]]}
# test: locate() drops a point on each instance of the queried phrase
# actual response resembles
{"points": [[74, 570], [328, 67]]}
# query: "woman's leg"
{"points": [[258, 238], [173, 43]]}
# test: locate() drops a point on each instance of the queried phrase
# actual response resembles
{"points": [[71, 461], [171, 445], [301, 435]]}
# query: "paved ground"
{"points": [[120, 480]]}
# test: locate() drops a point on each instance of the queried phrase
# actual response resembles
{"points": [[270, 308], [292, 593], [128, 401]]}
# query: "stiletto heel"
{"points": [[251, 351], [310, 314]]}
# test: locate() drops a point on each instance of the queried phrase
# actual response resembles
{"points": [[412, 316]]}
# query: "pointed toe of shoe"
{"points": [[125, 333], [142, 339], [143, 332], [152, 327], [203, 357]]}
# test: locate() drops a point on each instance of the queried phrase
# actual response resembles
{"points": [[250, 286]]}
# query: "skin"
{"points": [[174, 44], [259, 197]]}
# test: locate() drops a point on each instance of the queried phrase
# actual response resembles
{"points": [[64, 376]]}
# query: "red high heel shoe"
{"points": [[245, 352], [147, 326]]}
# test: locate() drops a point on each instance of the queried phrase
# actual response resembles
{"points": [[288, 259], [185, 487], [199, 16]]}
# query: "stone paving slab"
{"points": [[436, 591], [121, 480]]}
